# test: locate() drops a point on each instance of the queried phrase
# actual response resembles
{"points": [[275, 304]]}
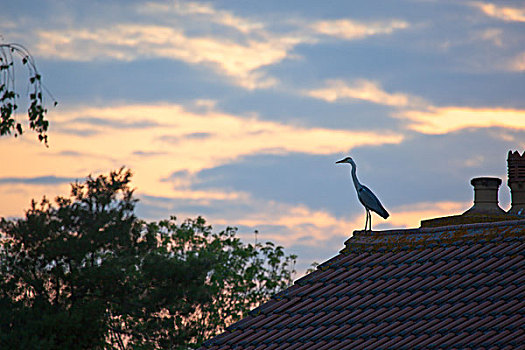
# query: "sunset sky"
{"points": [[238, 110]]}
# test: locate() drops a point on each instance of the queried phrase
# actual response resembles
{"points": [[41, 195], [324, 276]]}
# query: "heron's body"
{"points": [[367, 198]]}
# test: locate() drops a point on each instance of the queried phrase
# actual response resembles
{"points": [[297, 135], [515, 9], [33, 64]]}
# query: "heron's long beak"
{"points": [[340, 161]]}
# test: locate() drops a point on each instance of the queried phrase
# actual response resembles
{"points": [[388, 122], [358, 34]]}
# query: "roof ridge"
{"points": [[440, 228], [419, 238]]}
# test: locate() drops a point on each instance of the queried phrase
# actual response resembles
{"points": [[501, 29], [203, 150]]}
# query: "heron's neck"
{"points": [[354, 177]]}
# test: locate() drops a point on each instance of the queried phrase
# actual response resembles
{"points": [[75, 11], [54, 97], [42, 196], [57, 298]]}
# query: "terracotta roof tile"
{"points": [[327, 318], [401, 326], [355, 343], [284, 346], [387, 290], [413, 325], [405, 340], [314, 319], [278, 337], [326, 333], [458, 339], [306, 346], [301, 320], [365, 345], [420, 341], [499, 337], [424, 325], [518, 340], [329, 345], [385, 328], [254, 335], [513, 322], [482, 338], [390, 344], [293, 346], [341, 317]]}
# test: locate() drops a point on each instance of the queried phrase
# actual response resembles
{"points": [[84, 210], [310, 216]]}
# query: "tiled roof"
{"points": [[430, 288]]}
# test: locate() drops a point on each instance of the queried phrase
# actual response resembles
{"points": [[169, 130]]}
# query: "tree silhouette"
{"points": [[9, 97], [86, 273]]}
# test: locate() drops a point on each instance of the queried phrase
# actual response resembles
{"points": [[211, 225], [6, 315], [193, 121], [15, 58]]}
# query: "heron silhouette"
{"points": [[367, 198]]}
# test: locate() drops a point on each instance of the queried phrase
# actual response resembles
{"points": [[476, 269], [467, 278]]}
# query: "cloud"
{"points": [[69, 153], [206, 197], [40, 180], [431, 168], [283, 222], [505, 13], [127, 42], [203, 12], [178, 31], [197, 34], [411, 215], [350, 30], [114, 124], [210, 139], [422, 115], [364, 90], [148, 154], [517, 64], [308, 196], [494, 35], [199, 135], [441, 120], [319, 225], [296, 226]]}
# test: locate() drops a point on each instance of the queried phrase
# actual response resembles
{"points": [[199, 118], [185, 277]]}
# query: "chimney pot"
{"points": [[516, 182], [485, 196]]}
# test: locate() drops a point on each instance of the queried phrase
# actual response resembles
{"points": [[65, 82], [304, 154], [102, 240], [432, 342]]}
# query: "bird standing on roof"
{"points": [[366, 197]]}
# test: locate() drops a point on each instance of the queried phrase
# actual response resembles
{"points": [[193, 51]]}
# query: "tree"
{"points": [[86, 273], [8, 96]]}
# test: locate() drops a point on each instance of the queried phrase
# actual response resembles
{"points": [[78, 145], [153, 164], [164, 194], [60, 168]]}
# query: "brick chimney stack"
{"points": [[516, 182]]}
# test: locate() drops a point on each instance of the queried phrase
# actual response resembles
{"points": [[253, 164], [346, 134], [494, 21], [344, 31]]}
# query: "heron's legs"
{"points": [[368, 220]]}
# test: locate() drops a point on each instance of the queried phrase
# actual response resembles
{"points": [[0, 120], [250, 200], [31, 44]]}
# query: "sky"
{"points": [[237, 110]]}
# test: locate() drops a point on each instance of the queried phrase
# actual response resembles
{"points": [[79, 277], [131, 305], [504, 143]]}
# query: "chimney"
{"points": [[516, 182], [485, 196]]}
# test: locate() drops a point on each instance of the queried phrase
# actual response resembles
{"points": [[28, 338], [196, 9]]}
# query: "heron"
{"points": [[367, 198]]}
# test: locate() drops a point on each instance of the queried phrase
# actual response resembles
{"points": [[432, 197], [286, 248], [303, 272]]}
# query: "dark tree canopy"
{"points": [[9, 97], [86, 273]]}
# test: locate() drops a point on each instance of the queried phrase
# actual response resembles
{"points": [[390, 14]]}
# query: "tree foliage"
{"points": [[86, 273], [9, 97]]}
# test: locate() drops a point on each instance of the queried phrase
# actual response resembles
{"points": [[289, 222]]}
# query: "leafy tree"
{"points": [[8, 95], [86, 273]]}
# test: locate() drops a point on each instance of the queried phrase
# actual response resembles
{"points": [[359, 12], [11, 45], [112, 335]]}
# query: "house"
{"points": [[456, 282]]}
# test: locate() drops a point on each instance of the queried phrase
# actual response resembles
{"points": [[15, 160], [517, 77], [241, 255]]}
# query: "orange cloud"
{"points": [[494, 35], [411, 215], [156, 140], [319, 225], [128, 42], [202, 11], [441, 120], [350, 30], [505, 13], [422, 116], [364, 90], [517, 64], [238, 57]]}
